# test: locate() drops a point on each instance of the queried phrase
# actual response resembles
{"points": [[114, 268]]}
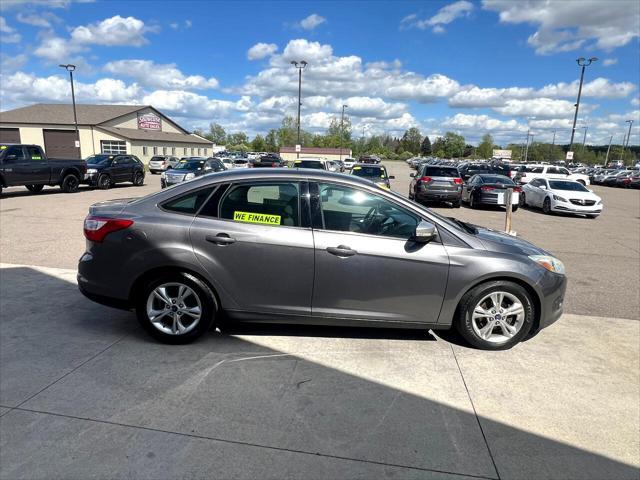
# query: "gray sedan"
{"points": [[288, 245]]}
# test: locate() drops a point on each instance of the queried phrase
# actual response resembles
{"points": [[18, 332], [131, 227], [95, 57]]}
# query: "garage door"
{"points": [[9, 135], [61, 144]]}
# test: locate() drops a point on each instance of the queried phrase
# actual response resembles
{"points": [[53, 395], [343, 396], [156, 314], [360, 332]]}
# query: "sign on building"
{"points": [[569, 156], [502, 154], [149, 121]]}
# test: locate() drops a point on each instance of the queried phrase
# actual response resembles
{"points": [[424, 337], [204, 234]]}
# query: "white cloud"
{"points": [[597, 88], [112, 31], [41, 20], [160, 76], [311, 22], [178, 102], [541, 107], [567, 25], [481, 124], [9, 4], [609, 61], [56, 49], [188, 24], [444, 16], [9, 34], [261, 50], [11, 63], [635, 101]]}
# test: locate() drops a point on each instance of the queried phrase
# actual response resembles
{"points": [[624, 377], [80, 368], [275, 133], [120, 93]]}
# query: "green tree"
{"points": [[238, 138], [453, 145], [485, 149], [271, 141], [258, 144], [338, 134], [217, 134], [288, 132], [425, 146], [411, 140]]}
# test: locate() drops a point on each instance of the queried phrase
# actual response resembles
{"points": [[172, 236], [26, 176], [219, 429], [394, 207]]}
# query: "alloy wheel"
{"points": [[498, 317], [174, 308]]}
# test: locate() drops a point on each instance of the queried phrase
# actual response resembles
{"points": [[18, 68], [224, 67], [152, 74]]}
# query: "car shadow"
{"points": [[55, 191]]}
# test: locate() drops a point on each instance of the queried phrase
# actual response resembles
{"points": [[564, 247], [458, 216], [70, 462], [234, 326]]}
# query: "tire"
{"points": [[471, 328], [198, 295], [104, 182], [410, 195], [70, 183], [514, 208], [472, 202], [522, 200], [456, 204], [592, 216], [546, 206], [138, 179], [35, 188]]}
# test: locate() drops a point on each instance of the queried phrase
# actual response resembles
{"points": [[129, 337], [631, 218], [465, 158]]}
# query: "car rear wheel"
{"points": [[546, 206], [138, 179], [495, 315], [34, 188], [514, 208], [104, 182], [522, 200], [176, 308], [70, 183], [456, 203], [472, 202]]}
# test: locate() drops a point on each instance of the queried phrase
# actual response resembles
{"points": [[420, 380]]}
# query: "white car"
{"points": [[528, 172], [349, 163], [560, 196]]}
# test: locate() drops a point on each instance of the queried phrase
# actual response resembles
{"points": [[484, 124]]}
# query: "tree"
{"points": [[217, 134], [288, 132], [425, 146], [411, 140], [339, 134], [271, 141], [485, 149], [239, 138], [453, 145], [258, 144]]}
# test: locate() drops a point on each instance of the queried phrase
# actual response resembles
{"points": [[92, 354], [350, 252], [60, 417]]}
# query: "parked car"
{"points": [[611, 180], [561, 196], [615, 164], [374, 173], [314, 163], [436, 183], [105, 170], [234, 233], [269, 160], [528, 172], [468, 170], [623, 181], [162, 163], [635, 181], [349, 163], [191, 169], [28, 165], [486, 189], [369, 159]]}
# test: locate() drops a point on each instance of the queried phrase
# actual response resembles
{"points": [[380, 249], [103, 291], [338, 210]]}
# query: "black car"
{"points": [[468, 170], [369, 159], [105, 170], [268, 160], [489, 189], [190, 169]]}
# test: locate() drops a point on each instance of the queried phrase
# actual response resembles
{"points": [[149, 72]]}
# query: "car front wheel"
{"points": [[138, 179], [35, 188], [495, 315], [70, 183], [546, 206], [176, 308], [104, 182]]}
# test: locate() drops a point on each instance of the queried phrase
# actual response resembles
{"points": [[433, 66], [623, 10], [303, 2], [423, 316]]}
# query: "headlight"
{"points": [[550, 263], [189, 176], [91, 171], [560, 199], [599, 202]]}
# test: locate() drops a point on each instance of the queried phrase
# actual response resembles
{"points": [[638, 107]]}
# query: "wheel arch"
{"points": [[66, 171]]}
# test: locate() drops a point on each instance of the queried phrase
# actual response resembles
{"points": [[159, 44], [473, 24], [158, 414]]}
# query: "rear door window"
{"points": [[35, 154], [188, 203], [265, 203]]}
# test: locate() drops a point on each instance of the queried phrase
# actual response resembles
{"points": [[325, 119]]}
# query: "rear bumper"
{"points": [[446, 196], [103, 300]]}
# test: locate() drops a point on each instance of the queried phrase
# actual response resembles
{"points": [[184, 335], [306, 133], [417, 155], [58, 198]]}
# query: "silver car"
{"points": [[294, 245]]}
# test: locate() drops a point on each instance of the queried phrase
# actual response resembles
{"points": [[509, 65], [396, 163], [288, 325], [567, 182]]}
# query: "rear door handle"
{"points": [[220, 239], [341, 251]]}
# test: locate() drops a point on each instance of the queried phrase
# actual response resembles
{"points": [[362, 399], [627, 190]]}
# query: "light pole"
{"points": [[342, 129], [583, 62], [606, 160], [300, 66], [630, 122], [70, 68], [584, 139]]}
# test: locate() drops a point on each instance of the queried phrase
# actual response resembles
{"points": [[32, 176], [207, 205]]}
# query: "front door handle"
{"points": [[341, 251], [220, 239]]}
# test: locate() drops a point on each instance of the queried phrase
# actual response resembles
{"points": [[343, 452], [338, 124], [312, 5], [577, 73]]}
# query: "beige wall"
{"points": [[131, 121], [293, 156], [137, 149]]}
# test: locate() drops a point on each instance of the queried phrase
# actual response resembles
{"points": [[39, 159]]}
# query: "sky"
{"points": [[472, 67]]}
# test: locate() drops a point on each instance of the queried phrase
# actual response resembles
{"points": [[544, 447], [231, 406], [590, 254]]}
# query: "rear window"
{"points": [[497, 179], [369, 172], [441, 172], [309, 164], [189, 203], [157, 159]]}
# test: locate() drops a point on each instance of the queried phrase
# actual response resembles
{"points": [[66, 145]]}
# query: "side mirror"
{"points": [[392, 177], [425, 232]]}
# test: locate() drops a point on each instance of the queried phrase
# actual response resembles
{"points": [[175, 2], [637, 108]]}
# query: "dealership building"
{"points": [[290, 153], [135, 129]]}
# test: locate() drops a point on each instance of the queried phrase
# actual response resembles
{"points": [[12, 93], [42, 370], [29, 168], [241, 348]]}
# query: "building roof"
{"points": [[62, 114], [155, 135], [316, 150]]}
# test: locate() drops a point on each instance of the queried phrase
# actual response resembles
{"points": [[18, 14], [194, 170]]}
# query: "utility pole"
{"points": [[584, 139], [70, 68], [300, 66], [630, 122], [606, 160], [583, 62], [526, 150], [342, 129]]}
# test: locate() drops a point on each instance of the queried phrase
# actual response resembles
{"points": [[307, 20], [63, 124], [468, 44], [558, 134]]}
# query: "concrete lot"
{"points": [[85, 393]]}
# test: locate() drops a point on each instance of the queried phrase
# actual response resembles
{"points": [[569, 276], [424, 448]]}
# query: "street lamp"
{"points": [[583, 62], [630, 122], [300, 66], [342, 129], [70, 68], [584, 139]]}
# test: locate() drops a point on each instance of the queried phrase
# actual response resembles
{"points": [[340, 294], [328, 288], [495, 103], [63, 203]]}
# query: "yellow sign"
{"points": [[357, 168], [3, 147], [256, 218]]}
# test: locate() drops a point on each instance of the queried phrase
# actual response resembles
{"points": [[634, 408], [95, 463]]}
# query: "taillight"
{"points": [[274, 164], [517, 189], [425, 179], [457, 181], [486, 189], [97, 228]]}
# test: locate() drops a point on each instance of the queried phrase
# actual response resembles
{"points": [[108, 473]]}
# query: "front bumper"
{"points": [[572, 208], [90, 179], [553, 288]]}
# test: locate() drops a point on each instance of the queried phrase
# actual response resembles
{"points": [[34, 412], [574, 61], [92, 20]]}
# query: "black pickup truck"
{"points": [[28, 165]]}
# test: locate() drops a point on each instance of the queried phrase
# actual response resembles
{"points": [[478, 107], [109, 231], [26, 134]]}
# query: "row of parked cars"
{"points": [[622, 178]]}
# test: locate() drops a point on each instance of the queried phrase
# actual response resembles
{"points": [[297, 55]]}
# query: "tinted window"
{"points": [[536, 183], [440, 172], [564, 185], [274, 203], [99, 159], [18, 152], [309, 164], [498, 179], [534, 169], [369, 172], [347, 209], [34, 153], [189, 203], [193, 165], [157, 159]]}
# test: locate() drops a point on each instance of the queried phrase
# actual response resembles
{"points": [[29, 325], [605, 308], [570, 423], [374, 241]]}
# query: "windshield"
{"points": [[369, 172], [193, 165], [309, 164], [564, 185], [497, 179], [99, 159], [157, 159]]}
